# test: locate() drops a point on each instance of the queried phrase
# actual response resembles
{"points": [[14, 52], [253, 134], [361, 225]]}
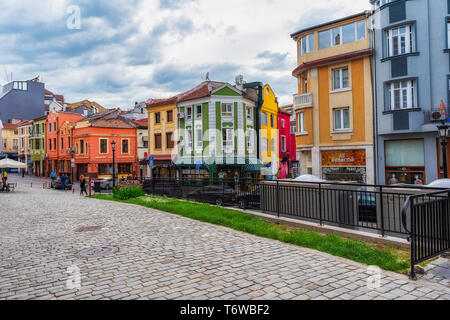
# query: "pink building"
{"points": [[288, 150]]}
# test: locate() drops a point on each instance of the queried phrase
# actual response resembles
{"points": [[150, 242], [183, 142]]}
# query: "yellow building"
{"points": [[269, 129], [162, 135], [10, 140], [334, 107]]}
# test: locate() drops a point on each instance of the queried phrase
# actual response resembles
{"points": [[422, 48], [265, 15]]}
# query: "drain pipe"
{"points": [[259, 87]]}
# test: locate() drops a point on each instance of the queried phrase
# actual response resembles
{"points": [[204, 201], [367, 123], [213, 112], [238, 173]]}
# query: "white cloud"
{"points": [[116, 56]]}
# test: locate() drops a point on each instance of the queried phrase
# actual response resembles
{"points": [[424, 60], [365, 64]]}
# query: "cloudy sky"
{"points": [[132, 50]]}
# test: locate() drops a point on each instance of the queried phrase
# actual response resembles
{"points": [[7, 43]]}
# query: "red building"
{"points": [[287, 150], [58, 144], [92, 141]]}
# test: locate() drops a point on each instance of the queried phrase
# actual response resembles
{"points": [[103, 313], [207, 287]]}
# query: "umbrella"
{"points": [[11, 164]]}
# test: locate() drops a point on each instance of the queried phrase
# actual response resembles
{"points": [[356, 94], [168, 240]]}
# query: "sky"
{"points": [[116, 52]]}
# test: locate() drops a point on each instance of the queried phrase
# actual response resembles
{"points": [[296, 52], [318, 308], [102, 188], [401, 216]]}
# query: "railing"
{"points": [[428, 225], [303, 99]]}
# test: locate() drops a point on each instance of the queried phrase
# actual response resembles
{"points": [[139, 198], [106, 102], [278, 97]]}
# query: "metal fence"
{"points": [[426, 218], [371, 208]]}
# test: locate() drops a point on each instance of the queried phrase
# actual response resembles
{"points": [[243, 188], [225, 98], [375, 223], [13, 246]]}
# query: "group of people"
{"points": [[4, 179]]}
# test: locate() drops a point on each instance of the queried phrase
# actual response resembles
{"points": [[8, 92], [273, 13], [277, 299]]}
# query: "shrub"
{"points": [[128, 192]]}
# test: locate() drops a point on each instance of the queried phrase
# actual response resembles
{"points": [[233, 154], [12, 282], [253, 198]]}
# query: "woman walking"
{"points": [[83, 185]]}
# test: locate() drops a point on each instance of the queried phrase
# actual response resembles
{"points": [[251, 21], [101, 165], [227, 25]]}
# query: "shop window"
{"points": [[405, 161], [124, 168]]}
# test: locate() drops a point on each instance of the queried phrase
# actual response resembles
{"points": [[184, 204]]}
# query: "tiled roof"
{"points": [[10, 126], [40, 118], [141, 123]]}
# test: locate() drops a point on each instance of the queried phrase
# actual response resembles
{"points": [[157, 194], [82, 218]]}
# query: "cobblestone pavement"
{"points": [[163, 256]]}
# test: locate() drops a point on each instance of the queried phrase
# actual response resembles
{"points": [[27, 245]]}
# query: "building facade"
{"points": [[10, 141], [287, 146], [22, 99], [334, 104], [24, 149], [92, 141], [412, 77], [58, 142], [142, 147], [162, 136], [38, 150], [85, 108]]}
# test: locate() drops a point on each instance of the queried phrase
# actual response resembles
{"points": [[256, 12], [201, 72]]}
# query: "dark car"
{"points": [[163, 188], [249, 198], [58, 185], [218, 195], [367, 206]]}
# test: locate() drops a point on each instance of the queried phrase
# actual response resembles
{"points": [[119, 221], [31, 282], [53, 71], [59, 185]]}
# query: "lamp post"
{"points": [[443, 134], [113, 147]]}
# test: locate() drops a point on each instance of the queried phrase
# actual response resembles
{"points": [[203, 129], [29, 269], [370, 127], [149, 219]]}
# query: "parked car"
{"points": [[249, 198], [58, 186], [104, 183], [163, 188], [218, 195], [441, 183]]}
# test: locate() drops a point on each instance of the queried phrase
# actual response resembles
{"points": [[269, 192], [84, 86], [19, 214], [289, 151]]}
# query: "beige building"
{"points": [[10, 140], [24, 151]]}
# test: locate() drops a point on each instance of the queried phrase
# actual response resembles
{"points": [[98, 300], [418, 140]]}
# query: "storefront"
{"points": [[405, 161], [344, 165], [440, 158]]}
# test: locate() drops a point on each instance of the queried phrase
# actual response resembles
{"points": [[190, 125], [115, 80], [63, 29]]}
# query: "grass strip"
{"points": [[355, 250]]}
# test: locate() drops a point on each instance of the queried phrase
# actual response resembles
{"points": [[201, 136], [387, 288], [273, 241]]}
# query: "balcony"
{"points": [[302, 100]]}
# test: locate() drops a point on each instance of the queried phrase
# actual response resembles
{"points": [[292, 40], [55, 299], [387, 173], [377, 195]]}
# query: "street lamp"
{"points": [[443, 134], [113, 147]]}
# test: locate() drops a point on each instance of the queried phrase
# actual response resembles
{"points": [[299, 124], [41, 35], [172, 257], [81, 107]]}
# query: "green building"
{"points": [[38, 150]]}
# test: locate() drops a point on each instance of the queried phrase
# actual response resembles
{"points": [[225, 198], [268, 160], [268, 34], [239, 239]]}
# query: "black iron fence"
{"points": [[371, 208], [426, 218]]}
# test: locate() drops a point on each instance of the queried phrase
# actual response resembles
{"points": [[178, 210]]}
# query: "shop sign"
{"points": [[351, 158]]}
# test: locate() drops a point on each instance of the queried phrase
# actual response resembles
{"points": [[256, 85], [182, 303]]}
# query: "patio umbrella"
{"points": [[11, 164]]}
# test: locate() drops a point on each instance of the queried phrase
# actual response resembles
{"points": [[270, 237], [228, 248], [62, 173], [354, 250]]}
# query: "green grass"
{"points": [[347, 248]]}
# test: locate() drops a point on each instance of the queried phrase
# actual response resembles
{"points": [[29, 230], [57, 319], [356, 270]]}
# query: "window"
{"points": [[170, 116], [400, 40], [306, 44], [402, 153], [82, 146], [272, 121], [283, 143], [104, 168], [189, 113], [54, 144], [341, 35], [265, 145], [250, 139], [169, 140], [103, 146], [340, 79], [401, 95], [158, 141], [341, 119], [198, 112], [49, 127], [54, 126], [157, 117], [305, 85], [189, 139], [249, 113], [282, 123], [199, 138], [124, 168], [448, 34], [68, 142], [62, 143], [227, 110], [380, 3], [227, 138], [264, 119], [49, 144], [301, 122], [293, 127], [273, 144]]}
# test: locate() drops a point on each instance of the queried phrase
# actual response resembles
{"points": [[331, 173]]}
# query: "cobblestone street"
{"points": [[163, 256]]}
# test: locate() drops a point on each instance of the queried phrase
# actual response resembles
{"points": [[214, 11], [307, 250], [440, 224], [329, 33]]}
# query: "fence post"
{"points": [[320, 204], [413, 243], [382, 212], [278, 199]]}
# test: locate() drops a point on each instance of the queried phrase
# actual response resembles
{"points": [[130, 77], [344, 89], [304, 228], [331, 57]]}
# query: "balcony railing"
{"points": [[303, 99]]}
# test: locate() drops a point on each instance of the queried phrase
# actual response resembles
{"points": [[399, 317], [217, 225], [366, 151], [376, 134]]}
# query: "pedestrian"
{"points": [[83, 186], [53, 176], [23, 173], [63, 181], [4, 178]]}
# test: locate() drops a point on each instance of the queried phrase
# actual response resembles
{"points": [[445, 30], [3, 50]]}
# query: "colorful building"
{"points": [[38, 150], [142, 147], [58, 144], [92, 140], [10, 141], [334, 104], [287, 150], [85, 108], [24, 151], [162, 136], [217, 131]]}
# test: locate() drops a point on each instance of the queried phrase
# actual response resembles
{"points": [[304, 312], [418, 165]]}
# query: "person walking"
{"points": [[4, 178], [53, 176], [83, 186], [63, 181]]}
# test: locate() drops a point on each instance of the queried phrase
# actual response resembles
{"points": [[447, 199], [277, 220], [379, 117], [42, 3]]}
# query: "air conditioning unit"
{"points": [[436, 116]]}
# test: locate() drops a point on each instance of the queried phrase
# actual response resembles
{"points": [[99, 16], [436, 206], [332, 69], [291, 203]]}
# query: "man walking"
{"points": [[53, 176], [83, 186], [4, 178], [63, 181]]}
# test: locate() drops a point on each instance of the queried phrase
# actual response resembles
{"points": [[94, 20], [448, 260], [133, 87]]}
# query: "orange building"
{"points": [[334, 105], [58, 144], [92, 138]]}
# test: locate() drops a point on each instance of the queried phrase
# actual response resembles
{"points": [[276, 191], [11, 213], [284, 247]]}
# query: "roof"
{"points": [[328, 60], [295, 34], [40, 118], [25, 123], [10, 126], [110, 119], [141, 123], [88, 104]]}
